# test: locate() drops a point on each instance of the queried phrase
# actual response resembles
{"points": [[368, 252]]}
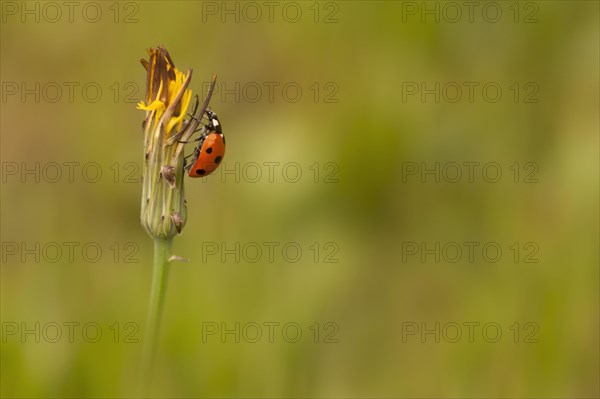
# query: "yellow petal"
{"points": [[154, 105], [177, 120]]}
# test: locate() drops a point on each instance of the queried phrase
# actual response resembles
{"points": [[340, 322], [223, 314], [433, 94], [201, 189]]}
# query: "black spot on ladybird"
{"points": [[218, 159], [209, 150], [200, 171]]}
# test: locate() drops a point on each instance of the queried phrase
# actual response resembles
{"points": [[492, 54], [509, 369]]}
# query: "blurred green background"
{"points": [[351, 61]]}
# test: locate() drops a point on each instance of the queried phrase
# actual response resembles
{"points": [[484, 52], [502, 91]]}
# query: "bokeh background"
{"points": [[350, 60]]}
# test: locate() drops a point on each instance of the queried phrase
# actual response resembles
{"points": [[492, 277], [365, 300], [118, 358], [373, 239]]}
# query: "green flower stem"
{"points": [[160, 275]]}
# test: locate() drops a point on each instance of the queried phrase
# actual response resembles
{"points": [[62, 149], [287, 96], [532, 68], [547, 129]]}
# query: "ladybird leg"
{"points": [[185, 142], [203, 135], [196, 154], [187, 166], [200, 128], [180, 132], [192, 115], [202, 125]]}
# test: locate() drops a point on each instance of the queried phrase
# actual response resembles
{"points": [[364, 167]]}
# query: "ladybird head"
{"points": [[213, 122]]}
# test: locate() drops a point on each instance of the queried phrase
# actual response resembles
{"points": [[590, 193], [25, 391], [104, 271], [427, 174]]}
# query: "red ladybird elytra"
{"points": [[210, 150]]}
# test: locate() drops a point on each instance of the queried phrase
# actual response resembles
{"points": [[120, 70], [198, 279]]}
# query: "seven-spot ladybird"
{"points": [[210, 150]]}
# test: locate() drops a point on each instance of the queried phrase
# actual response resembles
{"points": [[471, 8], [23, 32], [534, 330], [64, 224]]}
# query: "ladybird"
{"points": [[210, 150]]}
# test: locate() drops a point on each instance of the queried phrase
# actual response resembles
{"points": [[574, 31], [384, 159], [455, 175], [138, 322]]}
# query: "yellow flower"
{"points": [[166, 85], [165, 131]]}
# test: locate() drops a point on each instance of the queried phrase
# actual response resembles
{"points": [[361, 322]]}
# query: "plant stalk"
{"points": [[160, 276]]}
